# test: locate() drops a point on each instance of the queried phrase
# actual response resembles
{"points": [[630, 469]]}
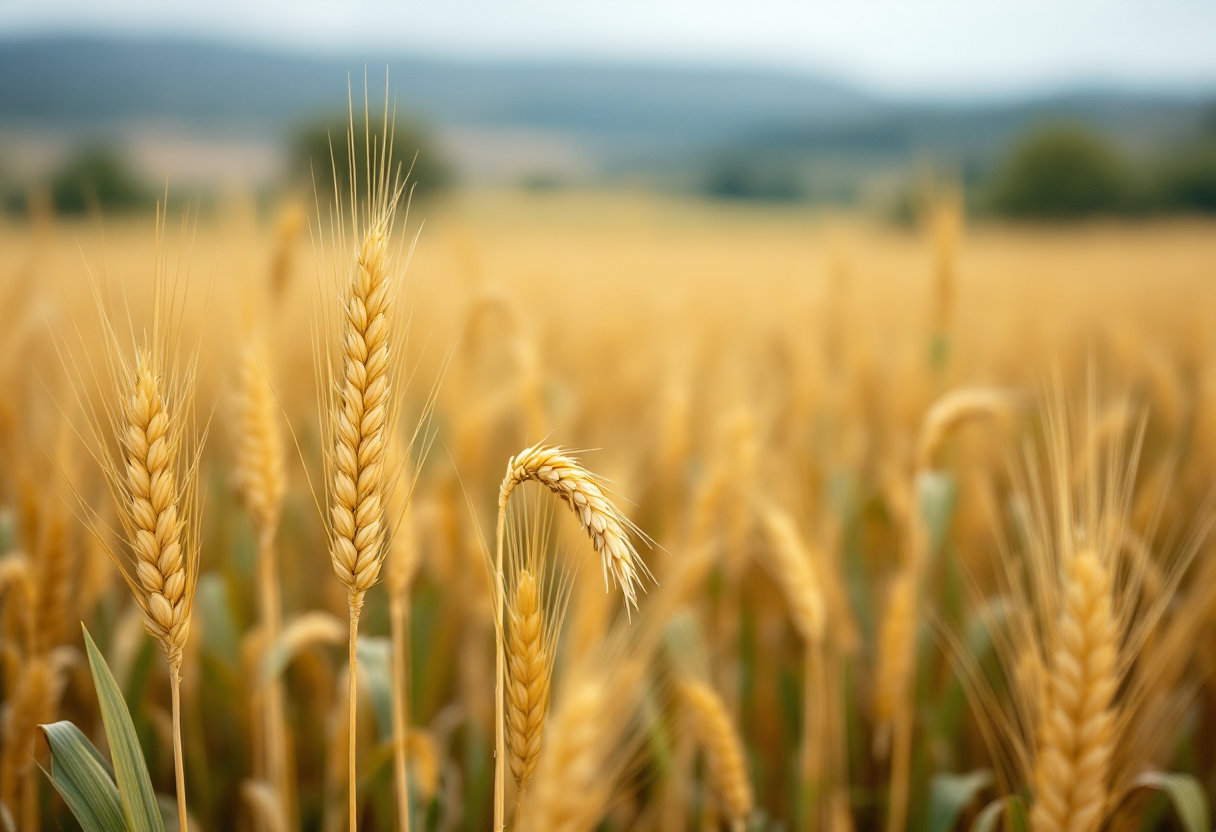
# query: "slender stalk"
{"points": [[500, 745], [399, 615], [275, 728], [812, 726], [355, 602], [179, 768], [901, 764]]}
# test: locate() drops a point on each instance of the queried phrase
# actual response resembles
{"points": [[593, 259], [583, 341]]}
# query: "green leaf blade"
{"points": [[950, 794], [130, 770], [1184, 793], [80, 775]]}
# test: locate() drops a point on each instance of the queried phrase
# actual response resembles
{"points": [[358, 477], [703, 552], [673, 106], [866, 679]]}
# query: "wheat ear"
{"points": [[607, 527], [791, 565], [609, 532], [723, 750], [572, 788], [1075, 741], [166, 573], [528, 665], [262, 481], [359, 418]]}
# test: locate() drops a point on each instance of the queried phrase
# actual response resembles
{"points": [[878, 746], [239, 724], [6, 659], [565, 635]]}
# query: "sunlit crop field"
{"points": [[916, 517]]}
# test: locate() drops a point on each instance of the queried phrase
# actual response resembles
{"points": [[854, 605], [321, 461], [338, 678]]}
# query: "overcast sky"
{"points": [[945, 48]]}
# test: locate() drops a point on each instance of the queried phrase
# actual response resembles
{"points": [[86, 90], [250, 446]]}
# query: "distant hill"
{"points": [[619, 119], [80, 81]]}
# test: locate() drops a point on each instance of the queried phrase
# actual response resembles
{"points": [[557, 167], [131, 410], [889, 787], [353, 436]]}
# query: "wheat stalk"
{"points": [[262, 481], [402, 564], [1075, 742], [359, 416], [792, 566], [723, 749]]}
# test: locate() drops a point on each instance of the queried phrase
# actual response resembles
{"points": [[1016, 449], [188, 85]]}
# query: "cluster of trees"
{"points": [[98, 176], [1067, 171]]}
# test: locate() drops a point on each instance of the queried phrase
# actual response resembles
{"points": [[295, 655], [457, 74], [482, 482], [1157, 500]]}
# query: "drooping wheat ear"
{"points": [[152, 443], [1075, 739], [723, 749], [607, 527], [528, 665], [260, 474], [794, 572], [360, 415], [953, 409]]}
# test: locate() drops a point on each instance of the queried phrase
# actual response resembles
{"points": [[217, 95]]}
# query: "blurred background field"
{"points": [[816, 330]]}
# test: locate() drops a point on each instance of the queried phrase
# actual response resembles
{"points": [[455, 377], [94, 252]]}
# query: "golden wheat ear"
{"points": [[609, 530]]}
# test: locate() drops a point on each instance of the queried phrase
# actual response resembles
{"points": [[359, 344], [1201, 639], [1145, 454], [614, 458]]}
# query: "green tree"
{"points": [[321, 149], [1061, 172], [96, 175]]}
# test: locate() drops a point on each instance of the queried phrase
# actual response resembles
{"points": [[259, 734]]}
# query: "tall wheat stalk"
{"points": [[402, 565], [152, 474], [262, 481]]}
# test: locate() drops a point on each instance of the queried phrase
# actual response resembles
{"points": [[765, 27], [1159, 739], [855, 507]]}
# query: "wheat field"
{"points": [[762, 518]]}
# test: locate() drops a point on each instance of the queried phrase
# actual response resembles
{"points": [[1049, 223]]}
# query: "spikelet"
{"points": [[361, 412], [259, 468], [528, 666], [722, 747], [794, 571], [607, 527], [1075, 741]]}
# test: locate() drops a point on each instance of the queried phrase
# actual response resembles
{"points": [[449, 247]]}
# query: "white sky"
{"points": [[942, 48]]}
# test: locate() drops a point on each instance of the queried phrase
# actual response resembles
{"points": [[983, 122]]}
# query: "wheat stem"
{"points": [[399, 621], [179, 768], [355, 604]]}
